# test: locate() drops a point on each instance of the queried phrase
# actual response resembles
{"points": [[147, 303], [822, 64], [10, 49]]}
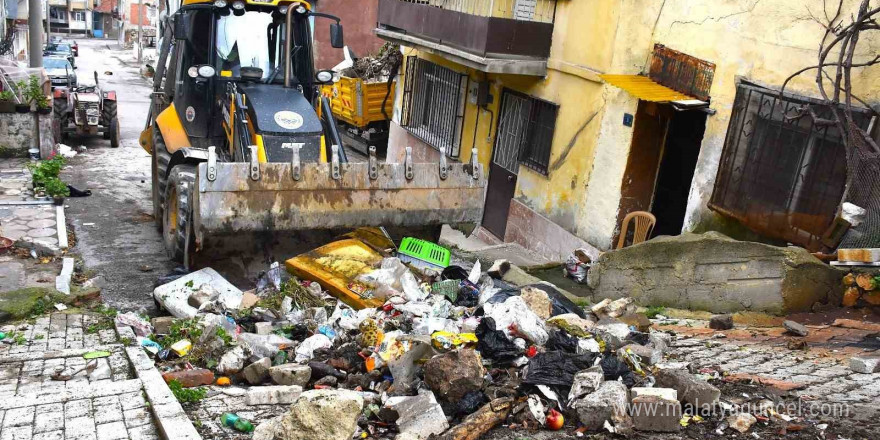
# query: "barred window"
{"points": [[433, 104], [525, 131]]}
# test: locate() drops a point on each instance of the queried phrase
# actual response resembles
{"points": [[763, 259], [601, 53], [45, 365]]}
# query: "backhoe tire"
{"points": [[178, 210], [161, 158], [108, 114], [113, 130]]}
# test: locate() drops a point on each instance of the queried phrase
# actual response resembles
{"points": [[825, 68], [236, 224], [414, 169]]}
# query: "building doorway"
{"points": [[662, 161]]}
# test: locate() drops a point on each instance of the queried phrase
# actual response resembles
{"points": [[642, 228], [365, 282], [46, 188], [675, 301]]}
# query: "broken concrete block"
{"points": [[538, 301], [249, 299], [865, 364], [263, 328], [741, 422], [660, 340], [418, 417], [454, 374], [322, 415], [599, 307], [190, 378], [656, 414], [608, 403], [202, 296], [663, 393], [327, 381], [781, 279], [637, 320], [721, 322], [795, 328], [232, 361], [498, 269], [586, 382], [267, 429], [649, 355], [174, 296], [573, 324], [698, 393], [62, 281], [291, 374], [257, 372], [620, 307], [273, 395], [162, 324]]}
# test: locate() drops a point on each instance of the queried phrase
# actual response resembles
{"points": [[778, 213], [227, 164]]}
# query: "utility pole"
{"points": [[35, 33], [140, 41], [48, 24]]}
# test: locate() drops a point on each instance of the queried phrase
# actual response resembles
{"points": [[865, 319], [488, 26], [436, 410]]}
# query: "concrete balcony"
{"points": [[495, 36]]}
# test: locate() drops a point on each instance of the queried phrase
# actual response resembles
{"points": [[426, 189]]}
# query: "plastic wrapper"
{"points": [[306, 350], [443, 340], [347, 318], [562, 341], [515, 318], [270, 278], [428, 325], [149, 345], [140, 326], [265, 345], [577, 266], [493, 344], [327, 331], [415, 308], [393, 278], [474, 274]]}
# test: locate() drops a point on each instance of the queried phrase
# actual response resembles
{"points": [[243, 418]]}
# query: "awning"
{"points": [[644, 88]]}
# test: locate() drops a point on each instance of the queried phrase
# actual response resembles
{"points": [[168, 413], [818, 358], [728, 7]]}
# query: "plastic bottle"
{"points": [[279, 358], [235, 422]]}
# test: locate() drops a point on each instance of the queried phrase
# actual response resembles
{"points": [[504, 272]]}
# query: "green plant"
{"points": [[20, 89], [46, 169], [653, 311], [7, 95], [56, 188], [184, 329], [876, 282], [186, 395], [227, 340], [38, 337], [33, 93]]}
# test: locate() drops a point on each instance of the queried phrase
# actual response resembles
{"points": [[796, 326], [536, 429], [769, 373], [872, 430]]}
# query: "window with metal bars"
{"points": [[433, 104], [525, 131], [781, 174]]}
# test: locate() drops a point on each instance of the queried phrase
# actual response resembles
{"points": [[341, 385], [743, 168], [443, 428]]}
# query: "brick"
{"points": [[17, 433], [656, 414], [19, 417], [108, 413], [190, 378], [112, 431], [49, 418], [54, 435], [79, 427], [132, 400], [143, 433], [77, 408], [608, 403], [136, 417]]}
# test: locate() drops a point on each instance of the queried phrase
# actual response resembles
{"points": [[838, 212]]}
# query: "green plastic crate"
{"points": [[424, 254]]}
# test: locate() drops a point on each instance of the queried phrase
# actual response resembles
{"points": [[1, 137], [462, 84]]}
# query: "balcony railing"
{"points": [[491, 29], [541, 11]]}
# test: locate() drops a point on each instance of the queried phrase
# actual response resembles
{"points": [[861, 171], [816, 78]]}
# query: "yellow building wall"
{"points": [[758, 40]]}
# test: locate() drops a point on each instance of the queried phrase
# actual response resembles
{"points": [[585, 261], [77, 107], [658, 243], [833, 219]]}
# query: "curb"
{"points": [[170, 418]]}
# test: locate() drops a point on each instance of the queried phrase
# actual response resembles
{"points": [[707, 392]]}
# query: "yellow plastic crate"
{"points": [[358, 102]]}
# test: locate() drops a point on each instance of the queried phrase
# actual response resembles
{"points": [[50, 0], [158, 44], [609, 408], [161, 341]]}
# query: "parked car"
{"points": [[60, 49], [60, 71], [55, 39]]}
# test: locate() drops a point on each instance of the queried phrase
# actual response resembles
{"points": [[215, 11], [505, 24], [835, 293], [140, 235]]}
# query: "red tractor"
{"points": [[86, 110]]}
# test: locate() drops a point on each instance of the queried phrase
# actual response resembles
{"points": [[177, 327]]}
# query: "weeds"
{"points": [[653, 311], [186, 395]]}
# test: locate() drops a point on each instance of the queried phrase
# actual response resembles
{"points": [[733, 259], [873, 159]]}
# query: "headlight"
{"points": [[206, 71], [324, 76], [220, 3], [283, 9], [92, 112], [193, 72], [239, 5], [301, 9]]}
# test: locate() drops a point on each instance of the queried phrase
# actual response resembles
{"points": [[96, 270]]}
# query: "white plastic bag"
{"points": [[265, 345], [515, 313], [393, 278], [306, 351], [140, 326]]}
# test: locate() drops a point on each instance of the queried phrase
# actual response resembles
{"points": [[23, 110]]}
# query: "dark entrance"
{"points": [[505, 162], [660, 168]]}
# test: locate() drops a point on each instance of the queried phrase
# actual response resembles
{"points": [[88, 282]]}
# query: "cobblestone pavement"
{"points": [[106, 404], [817, 375]]}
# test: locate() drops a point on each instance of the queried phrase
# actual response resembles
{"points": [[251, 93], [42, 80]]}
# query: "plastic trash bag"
{"points": [[493, 344], [614, 369], [474, 275], [306, 350], [515, 319], [562, 341], [470, 403], [561, 304], [428, 325], [577, 266], [393, 278], [557, 368], [270, 278], [140, 326], [264, 345]]}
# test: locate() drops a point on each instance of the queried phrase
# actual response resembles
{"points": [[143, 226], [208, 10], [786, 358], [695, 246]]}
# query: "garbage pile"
{"points": [[375, 67], [434, 350]]}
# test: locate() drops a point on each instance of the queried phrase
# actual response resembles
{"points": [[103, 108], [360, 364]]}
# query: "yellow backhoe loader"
{"points": [[242, 140]]}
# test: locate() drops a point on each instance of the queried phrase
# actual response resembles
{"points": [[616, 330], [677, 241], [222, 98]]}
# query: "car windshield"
{"points": [[54, 63], [58, 48], [249, 40]]}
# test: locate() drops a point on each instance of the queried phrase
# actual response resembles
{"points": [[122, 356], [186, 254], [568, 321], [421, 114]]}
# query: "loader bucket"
{"points": [[240, 200]]}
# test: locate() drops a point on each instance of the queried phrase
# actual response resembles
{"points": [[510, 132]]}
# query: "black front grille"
{"points": [[275, 151]]}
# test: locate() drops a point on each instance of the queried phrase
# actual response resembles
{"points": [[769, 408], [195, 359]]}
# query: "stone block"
{"points": [[691, 390], [648, 355], [608, 403], [418, 417], [257, 372], [865, 364], [291, 374], [273, 395], [162, 324], [655, 413], [721, 322], [322, 415], [663, 393]]}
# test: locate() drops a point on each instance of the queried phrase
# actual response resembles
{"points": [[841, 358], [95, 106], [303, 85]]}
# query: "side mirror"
{"points": [[180, 27], [336, 39], [96, 77]]}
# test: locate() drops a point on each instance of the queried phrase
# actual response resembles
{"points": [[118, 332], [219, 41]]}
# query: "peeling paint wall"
{"points": [[762, 40]]}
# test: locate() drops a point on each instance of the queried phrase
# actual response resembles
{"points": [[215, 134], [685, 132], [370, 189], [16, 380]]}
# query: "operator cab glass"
{"points": [[244, 41]]}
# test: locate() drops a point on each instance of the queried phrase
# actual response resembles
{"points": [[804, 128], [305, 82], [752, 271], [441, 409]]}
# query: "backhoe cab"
{"points": [[242, 140]]}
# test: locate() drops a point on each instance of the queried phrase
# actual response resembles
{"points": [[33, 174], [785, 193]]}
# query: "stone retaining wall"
{"points": [[17, 134]]}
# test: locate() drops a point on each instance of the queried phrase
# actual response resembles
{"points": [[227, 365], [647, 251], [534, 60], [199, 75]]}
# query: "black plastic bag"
{"points": [[454, 273], [562, 341], [470, 403], [614, 368], [639, 338], [560, 304], [557, 368], [493, 344]]}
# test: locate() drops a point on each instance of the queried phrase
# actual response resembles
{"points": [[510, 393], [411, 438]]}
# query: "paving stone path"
{"points": [[818, 376], [107, 404]]}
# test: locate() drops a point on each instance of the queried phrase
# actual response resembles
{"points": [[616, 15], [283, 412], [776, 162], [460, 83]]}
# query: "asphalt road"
{"points": [[115, 232]]}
